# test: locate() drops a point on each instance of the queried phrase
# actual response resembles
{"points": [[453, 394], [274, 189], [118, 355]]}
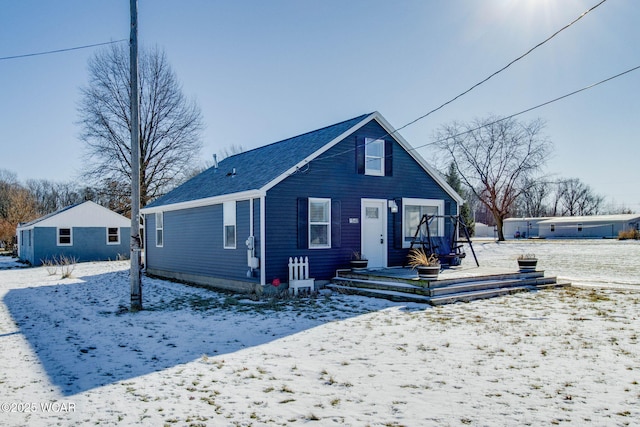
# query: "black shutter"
{"points": [[388, 158], [303, 223], [336, 226], [360, 155]]}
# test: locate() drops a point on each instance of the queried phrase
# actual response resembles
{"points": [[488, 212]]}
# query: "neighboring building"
{"points": [[353, 186], [483, 231], [85, 231], [593, 226], [522, 228]]}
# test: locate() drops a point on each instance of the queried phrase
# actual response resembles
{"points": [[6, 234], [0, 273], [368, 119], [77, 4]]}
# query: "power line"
{"points": [[503, 118], [533, 108], [503, 68], [61, 50], [494, 74]]}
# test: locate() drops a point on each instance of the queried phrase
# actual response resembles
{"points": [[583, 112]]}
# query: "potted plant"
{"points": [[428, 266], [527, 262], [358, 261]]}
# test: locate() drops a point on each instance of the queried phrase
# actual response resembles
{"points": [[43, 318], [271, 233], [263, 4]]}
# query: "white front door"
{"points": [[374, 232]]}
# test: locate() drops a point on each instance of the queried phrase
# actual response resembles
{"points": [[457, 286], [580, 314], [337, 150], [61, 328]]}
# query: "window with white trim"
{"points": [[413, 211], [113, 235], [229, 220], [65, 237], [159, 229], [319, 223], [374, 157]]}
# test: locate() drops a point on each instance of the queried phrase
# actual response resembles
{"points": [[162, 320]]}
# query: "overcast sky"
{"points": [[262, 71]]}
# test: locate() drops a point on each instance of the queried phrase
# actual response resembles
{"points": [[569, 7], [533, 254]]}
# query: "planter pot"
{"points": [[527, 264], [427, 272], [359, 264]]}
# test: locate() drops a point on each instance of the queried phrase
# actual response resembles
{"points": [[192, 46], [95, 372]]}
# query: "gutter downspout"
{"points": [[263, 242]]}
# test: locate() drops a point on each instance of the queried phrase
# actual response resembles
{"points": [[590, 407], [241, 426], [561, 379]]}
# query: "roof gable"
{"points": [[86, 214]]}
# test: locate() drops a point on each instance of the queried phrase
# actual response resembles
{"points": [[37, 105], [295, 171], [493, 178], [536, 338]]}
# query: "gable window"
{"points": [[374, 157], [413, 211], [65, 237], [229, 219], [160, 229], [319, 223], [113, 235]]}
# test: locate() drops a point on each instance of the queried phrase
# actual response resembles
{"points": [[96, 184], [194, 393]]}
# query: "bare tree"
{"points": [[8, 180], [494, 158], [51, 196], [533, 200], [170, 125], [574, 197], [16, 205]]}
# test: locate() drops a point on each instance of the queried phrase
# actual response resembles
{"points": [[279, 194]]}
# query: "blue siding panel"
{"points": [[89, 244], [193, 242]]}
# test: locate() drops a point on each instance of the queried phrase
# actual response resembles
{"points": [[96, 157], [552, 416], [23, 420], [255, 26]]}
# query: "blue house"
{"points": [[85, 231], [355, 186]]}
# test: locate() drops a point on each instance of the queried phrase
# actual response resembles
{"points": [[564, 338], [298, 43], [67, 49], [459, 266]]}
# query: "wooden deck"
{"points": [[452, 285]]}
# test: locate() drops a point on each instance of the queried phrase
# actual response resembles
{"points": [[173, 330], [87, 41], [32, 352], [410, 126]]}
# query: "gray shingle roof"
{"points": [[255, 168]]}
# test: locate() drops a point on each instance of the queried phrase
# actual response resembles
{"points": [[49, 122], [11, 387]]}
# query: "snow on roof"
{"points": [[592, 218], [86, 214]]}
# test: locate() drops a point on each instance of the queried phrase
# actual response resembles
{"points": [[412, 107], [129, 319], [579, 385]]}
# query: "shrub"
{"points": [[67, 264], [51, 265], [632, 233]]}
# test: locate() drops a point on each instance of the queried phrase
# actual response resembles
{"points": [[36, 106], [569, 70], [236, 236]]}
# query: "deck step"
{"points": [[480, 285], [438, 292], [480, 294], [381, 293], [381, 285]]}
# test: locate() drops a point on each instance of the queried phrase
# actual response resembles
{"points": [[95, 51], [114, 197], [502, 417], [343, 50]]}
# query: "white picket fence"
{"points": [[299, 275]]}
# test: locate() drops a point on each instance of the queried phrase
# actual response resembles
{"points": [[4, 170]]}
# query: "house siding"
{"points": [[89, 244], [334, 175], [193, 247], [26, 245]]}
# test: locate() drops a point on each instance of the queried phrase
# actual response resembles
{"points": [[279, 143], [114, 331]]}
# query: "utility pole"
{"points": [[136, 287]]}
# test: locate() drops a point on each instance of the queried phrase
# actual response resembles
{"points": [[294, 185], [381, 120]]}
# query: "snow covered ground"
{"points": [[72, 354]]}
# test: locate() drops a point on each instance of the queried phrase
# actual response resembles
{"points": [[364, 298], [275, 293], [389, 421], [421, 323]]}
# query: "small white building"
{"points": [[593, 226], [522, 228], [484, 231]]}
